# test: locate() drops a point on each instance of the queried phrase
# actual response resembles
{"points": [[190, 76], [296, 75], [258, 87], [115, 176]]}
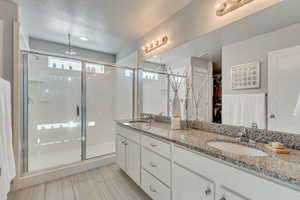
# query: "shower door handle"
{"points": [[77, 111]]}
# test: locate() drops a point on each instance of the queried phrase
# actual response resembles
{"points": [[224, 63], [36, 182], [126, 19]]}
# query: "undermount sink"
{"points": [[138, 121], [237, 148]]}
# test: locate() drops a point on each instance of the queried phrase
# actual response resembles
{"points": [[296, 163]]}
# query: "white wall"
{"points": [[8, 14], [256, 49], [52, 47]]}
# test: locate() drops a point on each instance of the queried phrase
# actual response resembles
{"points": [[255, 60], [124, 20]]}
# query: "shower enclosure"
{"points": [[69, 109]]}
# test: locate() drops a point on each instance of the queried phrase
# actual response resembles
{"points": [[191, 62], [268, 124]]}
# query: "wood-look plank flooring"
{"points": [[105, 183]]}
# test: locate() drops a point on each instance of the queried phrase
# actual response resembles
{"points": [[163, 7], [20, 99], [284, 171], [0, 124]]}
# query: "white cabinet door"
{"points": [[133, 160], [224, 193], [284, 90], [121, 152], [191, 186]]}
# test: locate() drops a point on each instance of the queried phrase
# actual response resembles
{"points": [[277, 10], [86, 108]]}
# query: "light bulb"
{"points": [[221, 5]]}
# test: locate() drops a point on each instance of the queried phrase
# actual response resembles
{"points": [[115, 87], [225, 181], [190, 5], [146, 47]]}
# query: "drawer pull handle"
{"points": [[208, 191], [152, 189], [153, 164], [153, 145], [223, 198]]}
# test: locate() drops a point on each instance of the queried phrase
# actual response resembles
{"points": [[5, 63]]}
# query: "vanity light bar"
{"points": [[155, 44], [225, 6]]}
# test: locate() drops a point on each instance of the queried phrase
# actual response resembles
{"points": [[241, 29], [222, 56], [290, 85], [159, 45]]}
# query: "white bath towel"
{"points": [[244, 110], [7, 161]]}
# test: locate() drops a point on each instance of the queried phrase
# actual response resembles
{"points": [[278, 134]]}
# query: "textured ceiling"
{"points": [[108, 24]]}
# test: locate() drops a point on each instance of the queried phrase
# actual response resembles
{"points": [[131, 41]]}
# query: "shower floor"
{"points": [[54, 158]]}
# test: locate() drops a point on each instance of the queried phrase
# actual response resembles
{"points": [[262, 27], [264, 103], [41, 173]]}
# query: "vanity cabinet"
{"points": [[128, 153], [231, 183], [168, 171]]}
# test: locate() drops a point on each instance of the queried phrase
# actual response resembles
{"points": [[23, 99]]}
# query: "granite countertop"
{"points": [[285, 168]]}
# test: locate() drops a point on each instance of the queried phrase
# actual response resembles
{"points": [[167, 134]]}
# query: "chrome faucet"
{"points": [[254, 125], [149, 118], [243, 135]]}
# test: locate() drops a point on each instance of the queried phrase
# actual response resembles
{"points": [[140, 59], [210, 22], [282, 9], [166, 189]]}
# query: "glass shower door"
{"points": [[54, 111], [109, 96]]}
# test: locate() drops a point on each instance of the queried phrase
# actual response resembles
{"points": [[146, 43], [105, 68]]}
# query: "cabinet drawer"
{"points": [[129, 134], [157, 166], [191, 186], [157, 146], [155, 189], [228, 194]]}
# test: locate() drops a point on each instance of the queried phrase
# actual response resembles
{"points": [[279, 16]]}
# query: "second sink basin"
{"points": [[139, 121], [237, 148]]}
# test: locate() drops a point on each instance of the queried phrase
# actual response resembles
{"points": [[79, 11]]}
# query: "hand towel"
{"points": [[7, 161], [244, 110]]}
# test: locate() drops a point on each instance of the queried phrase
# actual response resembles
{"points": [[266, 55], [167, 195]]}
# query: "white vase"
{"points": [[176, 112], [175, 123]]}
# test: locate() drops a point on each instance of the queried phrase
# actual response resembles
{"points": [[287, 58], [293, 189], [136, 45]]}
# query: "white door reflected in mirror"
{"points": [[284, 87]]}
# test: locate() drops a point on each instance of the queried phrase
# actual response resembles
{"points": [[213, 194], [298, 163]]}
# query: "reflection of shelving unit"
{"points": [[217, 98]]}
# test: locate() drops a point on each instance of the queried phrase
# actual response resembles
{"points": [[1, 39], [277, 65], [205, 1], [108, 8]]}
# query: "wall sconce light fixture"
{"points": [[225, 6], [148, 48]]}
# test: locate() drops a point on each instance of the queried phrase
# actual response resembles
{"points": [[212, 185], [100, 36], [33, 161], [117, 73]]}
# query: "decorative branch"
{"points": [[175, 81], [187, 96], [197, 96]]}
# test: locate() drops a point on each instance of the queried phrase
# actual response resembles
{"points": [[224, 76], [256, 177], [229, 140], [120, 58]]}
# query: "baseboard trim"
{"points": [[53, 174]]}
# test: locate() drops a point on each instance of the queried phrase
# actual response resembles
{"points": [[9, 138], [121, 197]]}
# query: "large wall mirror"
{"points": [[251, 79]]}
